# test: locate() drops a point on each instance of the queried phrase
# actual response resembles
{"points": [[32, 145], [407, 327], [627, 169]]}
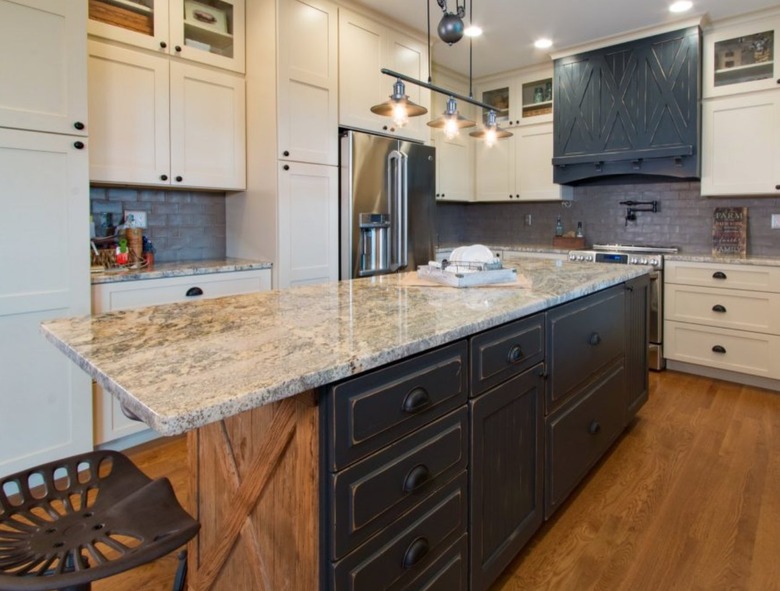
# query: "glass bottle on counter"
{"points": [[579, 233], [559, 227]]}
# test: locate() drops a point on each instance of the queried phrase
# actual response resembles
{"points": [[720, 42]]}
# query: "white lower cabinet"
{"points": [[110, 424], [44, 254], [723, 316], [308, 223]]}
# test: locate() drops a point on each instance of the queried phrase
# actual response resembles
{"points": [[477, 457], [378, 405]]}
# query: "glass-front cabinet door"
{"points": [[522, 99], [741, 58], [206, 31]]}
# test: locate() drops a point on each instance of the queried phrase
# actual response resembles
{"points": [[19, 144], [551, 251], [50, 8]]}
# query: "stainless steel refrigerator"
{"points": [[387, 205]]}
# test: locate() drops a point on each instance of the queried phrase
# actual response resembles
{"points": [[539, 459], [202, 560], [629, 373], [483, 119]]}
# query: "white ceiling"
{"points": [[511, 26]]}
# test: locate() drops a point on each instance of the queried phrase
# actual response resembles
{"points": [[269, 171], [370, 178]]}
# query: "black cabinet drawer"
{"points": [[584, 337], [580, 433], [374, 492], [409, 546], [448, 573], [505, 351], [373, 410]]}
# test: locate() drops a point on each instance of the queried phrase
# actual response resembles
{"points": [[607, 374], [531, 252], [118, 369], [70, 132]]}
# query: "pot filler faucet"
{"points": [[635, 206]]}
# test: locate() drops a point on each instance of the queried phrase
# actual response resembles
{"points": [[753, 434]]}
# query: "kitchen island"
{"points": [[246, 377]]}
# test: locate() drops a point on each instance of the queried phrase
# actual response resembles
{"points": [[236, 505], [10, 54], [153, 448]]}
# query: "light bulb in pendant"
{"points": [[451, 130], [400, 116], [490, 137]]}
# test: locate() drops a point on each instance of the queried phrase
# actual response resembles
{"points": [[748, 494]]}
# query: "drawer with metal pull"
{"points": [[372, 410], [584, 336], [409, 547], [729, 276], [506, 351], [755, 311], [374, 492], [579, 433]]}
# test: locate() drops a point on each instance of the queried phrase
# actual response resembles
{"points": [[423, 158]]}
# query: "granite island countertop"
{"points": [[181, 366]]}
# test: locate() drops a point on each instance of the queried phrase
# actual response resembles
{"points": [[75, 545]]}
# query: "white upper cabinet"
{"points": [[521, 99], [164, 123], [43, 43], [742, 57], [365, 47], [741, 144], [206, 31], [308, 81]]}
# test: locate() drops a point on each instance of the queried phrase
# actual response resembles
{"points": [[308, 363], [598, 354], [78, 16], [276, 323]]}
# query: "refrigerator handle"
{"points": [[397, 193]]}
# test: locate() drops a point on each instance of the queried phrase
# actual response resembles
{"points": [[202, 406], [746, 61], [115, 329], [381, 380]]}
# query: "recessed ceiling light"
{"points": [[543, 43], [681, 6], [473, 31]]}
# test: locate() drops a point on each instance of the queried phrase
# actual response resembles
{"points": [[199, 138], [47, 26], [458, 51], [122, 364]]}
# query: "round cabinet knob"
{"points": [[163, 44], [163, 177], [777, 187], [179, 179], [78, 145], [442, 195], [384, 127], [286, 167], [178, 48], [78, 125], [286, 153]]}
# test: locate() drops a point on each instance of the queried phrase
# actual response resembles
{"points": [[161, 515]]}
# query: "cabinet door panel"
{"points": [[361, 84], [308, 82], [308, 224], [506, 473], [43, 72], [495, 171], [128, 104], [741, 145], [533, 165], [46, 408], [208, 134]]}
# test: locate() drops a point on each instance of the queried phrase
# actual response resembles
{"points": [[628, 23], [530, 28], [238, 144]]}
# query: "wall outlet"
{"points": [[136, 219], [528, 219], [776, 221]]}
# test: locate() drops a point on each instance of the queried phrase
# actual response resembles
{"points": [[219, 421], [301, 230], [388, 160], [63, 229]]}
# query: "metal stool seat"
{"points": [[83, 518]]}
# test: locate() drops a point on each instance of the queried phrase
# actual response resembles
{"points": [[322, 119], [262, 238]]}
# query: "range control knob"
{"points": [[590, 258], [643, 261], [572, 256], [653, 262], [633, 261]]}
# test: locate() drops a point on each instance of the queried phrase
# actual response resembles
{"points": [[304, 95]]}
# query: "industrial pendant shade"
{"points": [[491, 132], [451, 121], [399, 107]]}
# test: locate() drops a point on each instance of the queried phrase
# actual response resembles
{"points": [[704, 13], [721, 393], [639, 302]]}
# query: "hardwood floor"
{"points": [[687, 499]]}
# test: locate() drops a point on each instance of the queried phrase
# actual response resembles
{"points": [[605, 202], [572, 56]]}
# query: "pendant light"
{"points": [[399, 107], [491, 132], [451, 121]]}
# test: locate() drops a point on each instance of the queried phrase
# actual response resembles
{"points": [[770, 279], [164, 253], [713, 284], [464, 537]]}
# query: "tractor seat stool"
{"points": [[73, 521]]}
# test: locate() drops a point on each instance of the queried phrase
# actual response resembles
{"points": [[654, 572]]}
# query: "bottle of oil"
{"points": [[559, 227]]}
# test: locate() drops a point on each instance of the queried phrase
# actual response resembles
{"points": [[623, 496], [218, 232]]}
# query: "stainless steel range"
{"points": [[649, 256]]}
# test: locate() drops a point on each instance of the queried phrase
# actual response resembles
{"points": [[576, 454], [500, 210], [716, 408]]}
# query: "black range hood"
{"points": [[630, 109]]}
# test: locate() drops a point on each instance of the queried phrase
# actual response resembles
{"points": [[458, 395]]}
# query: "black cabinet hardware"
{"points": [[594, 339], [718, 349], [719, 308], [719, 275], [163, 44], [194, 291], [415, 552], [416, 478], [179, 179], [78, 125], [515, 354], [78, 145], [416, 400], [286, 153], [286, 167], [594, 427], [178, 48], [163, 177]]}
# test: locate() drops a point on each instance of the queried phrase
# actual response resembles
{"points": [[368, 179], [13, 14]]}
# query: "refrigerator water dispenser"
{"points": [[374, 243]]}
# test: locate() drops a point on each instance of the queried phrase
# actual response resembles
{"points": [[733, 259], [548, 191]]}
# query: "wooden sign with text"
{"points": [[729, 232]]}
